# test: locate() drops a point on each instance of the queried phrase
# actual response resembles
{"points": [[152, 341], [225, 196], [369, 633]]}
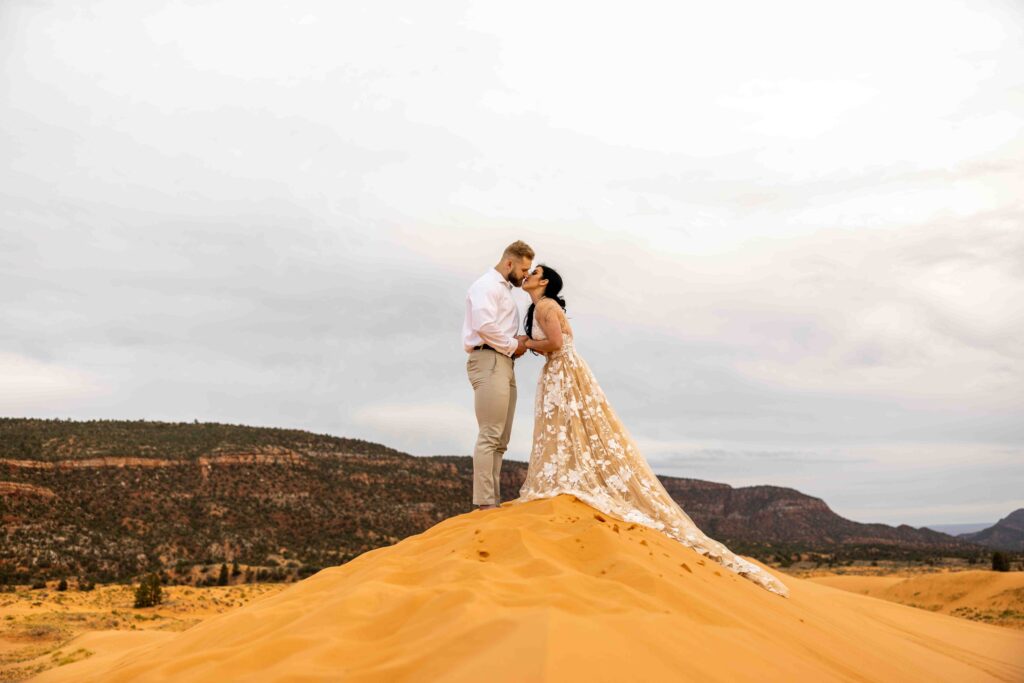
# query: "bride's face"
{"points": [[535, 280]]}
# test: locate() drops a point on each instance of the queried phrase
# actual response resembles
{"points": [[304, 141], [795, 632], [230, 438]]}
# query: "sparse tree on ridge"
{"points": [[148, 594], [1000, 562]]}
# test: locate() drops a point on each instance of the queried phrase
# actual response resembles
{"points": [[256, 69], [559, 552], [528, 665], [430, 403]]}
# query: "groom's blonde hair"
{"points": [[518, 249]]}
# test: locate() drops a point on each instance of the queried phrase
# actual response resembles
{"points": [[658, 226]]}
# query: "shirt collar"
{"points": [[497, 276]]}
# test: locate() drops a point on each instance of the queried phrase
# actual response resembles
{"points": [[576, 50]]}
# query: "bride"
{"points": [[581, 448]]}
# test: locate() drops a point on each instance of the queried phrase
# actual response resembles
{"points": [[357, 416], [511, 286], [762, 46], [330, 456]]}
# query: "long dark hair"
{"points": [[551, 291]]}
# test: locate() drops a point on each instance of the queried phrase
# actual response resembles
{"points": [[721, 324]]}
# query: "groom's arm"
{"points": [[484, 316]]}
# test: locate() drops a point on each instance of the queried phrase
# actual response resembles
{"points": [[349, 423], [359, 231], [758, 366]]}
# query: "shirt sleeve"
{"points": [[484, 304]]}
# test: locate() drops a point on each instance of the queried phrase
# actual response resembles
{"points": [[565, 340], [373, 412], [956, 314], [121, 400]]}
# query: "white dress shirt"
{"points": [[492, 316]]}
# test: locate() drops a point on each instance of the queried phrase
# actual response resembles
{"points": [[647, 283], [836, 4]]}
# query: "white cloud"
{"points": [[774, 241], [28, 385], [418, 425]]}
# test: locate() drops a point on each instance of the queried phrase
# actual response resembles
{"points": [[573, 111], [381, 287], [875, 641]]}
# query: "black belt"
{"points": [[491, 348]]}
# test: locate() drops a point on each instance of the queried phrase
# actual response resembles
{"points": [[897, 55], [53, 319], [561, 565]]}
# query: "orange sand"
{"points": [[545, 591], [996, 596], [856, 583], [38, 626]]}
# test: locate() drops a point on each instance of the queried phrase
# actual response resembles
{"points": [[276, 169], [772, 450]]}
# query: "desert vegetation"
{"points": [[101, 502]]}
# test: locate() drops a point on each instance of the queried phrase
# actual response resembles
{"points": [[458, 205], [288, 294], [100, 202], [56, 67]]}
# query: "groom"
{"points": [[489, 337]]}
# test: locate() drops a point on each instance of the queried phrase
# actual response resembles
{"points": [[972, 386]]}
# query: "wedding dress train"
{"points": [[581, 448]]}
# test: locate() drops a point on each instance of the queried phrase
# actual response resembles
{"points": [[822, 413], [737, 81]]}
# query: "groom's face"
{"points": [[520, 269]]}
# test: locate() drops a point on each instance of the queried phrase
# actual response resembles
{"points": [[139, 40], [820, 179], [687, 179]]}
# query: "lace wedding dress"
{"points": [[581, 448]]}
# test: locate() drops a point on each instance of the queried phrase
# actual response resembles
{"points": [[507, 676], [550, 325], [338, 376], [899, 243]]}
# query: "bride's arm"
{"points": [[547, 315]]}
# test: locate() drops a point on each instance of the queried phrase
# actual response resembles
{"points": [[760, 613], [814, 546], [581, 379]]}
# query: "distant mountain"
{"points": [[956, 529], [1006, 534], [111, 499], [784, 516]]}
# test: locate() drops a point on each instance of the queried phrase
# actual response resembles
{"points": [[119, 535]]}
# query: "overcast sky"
{"points": [[792, 233]]}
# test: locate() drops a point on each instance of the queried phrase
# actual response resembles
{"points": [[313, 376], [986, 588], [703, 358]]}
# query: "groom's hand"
{"points": [[521, 347]]}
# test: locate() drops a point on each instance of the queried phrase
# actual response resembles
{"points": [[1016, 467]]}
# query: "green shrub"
{"points": [[148, 593], [1000, 562]]}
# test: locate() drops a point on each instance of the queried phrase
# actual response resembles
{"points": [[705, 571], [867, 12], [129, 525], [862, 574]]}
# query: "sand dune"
{"points": [[547, 591], [38, 626], [996, 597]]}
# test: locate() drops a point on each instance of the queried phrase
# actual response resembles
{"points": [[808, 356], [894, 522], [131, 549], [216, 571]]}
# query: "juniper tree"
{"points": [[148, 593], [1000, 562]]}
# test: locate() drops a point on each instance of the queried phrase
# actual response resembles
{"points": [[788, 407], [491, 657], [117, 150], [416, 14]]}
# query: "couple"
{"points": [[580, 447]]}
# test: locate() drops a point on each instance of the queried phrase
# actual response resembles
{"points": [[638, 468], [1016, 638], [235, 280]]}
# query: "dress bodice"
{"points": [[537, 333]]}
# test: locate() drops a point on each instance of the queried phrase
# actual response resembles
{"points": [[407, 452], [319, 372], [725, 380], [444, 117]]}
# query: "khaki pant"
{"points": [[493, 378]]}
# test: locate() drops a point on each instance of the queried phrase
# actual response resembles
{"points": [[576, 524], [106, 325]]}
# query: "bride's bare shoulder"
{"points": [[547, 307], [547, 304]]}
